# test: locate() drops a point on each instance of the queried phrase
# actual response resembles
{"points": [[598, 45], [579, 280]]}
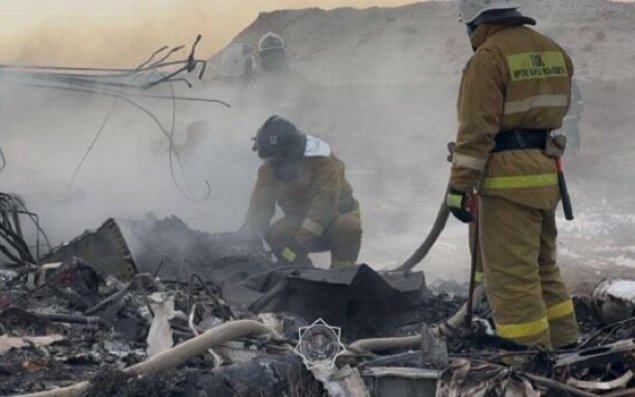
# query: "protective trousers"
{"points": [[342, 237], [530, 303]]}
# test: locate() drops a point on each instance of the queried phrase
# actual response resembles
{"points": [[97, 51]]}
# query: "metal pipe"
{"points": [[552, 384], [70, 318]]}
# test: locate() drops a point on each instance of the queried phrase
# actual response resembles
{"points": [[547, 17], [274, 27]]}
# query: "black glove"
{"points": [[460, 205]]}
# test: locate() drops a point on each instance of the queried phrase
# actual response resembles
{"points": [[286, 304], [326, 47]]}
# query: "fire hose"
{"points": [[176, 355], [382, 344], [455, 322], [439, 224], [422, 251], [460, 317]]}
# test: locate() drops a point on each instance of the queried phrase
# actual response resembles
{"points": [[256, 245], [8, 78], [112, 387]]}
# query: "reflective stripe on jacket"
{"points": [[517, 78]]}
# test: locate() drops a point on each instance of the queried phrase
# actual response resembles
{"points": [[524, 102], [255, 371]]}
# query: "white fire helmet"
{"points": [[270, 41], [469, 10]]}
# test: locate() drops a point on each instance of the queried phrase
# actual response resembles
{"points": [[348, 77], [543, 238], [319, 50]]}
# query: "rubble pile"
{"points": [[185, 313], [73, 325]]}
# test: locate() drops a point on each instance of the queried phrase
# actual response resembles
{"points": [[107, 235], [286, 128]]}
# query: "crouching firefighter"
{"points": [[514, 92], [302, 176]]}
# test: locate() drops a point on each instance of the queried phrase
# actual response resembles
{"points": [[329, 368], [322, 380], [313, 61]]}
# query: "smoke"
{"points": [[379, 85]]}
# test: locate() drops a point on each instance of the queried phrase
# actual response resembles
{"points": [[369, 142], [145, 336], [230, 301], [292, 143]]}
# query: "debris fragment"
{"points": [[105, 249], [466, 379], [7, 343], [614, 300], [160, 334]]}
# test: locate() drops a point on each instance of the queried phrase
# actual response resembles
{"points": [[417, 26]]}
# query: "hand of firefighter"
{"points": [[461, 205], [293, 252]]}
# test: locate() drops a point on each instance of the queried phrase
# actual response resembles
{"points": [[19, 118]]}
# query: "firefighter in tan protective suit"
{"points": [[515, 90], [302, 176]]}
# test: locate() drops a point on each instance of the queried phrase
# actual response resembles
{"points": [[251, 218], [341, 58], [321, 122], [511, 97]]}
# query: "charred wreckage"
{"points": [[153, 307]]}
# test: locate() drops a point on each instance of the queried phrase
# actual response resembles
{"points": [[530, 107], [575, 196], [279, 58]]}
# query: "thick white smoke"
{"points": [[380, 85]]}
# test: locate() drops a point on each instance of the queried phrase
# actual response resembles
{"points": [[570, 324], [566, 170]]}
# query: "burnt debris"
{"points": [[225, 322]]}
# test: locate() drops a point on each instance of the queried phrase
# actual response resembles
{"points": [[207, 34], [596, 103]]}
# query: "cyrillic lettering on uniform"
{"points": [[537, 65]]}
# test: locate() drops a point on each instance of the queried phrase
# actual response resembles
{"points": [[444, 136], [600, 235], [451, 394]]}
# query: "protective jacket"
{"points": [[318, 194], [517, 79]]}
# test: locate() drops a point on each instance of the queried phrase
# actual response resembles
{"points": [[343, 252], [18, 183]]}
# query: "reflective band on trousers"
{"points": [[560, 310], [313, 227], [519, 182], [524, 330], [538, 101]]}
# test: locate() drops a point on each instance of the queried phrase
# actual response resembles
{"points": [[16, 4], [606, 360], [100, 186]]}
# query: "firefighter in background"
{"points": [[514, 91], [272, 53], [571, 124], [303, 177]]}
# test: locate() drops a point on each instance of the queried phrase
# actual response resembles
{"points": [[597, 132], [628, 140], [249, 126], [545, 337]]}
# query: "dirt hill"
{"points": [[424, 42]]}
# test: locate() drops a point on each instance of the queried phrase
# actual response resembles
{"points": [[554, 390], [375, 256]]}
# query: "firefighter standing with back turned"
{"points": [[514, 92], [301, 175]]}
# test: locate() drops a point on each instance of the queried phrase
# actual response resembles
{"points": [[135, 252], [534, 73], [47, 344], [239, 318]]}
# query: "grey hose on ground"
{"points": [[382, 344], [176, 355], [456, 321]]}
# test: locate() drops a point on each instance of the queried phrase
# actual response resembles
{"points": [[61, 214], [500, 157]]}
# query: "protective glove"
{"points": [[461, 205], [293, 253]]}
